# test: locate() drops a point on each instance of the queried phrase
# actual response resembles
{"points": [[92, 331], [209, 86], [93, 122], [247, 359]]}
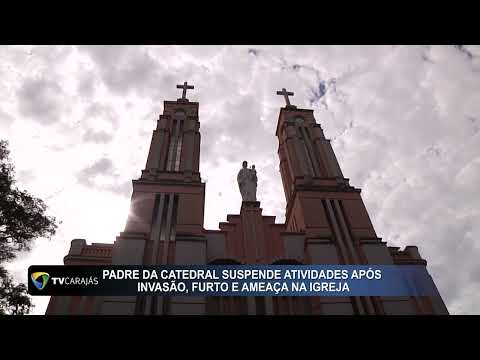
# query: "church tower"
{"points": [[165, 223], [320, 200], [331, 213], [326, 222]]}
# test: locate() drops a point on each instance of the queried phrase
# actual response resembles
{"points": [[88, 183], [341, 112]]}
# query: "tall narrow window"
{"points": [[171, 147], [176, 140], [179, 148], [306, 145]]}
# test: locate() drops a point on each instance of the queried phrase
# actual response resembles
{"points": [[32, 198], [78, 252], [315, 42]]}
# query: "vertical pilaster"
{"points": [[294, 161], [318, 138], [188, 151], [285, 171]]}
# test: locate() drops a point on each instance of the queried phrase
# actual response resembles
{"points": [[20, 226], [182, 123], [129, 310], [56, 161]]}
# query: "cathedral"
{"points": [[326, 222]]}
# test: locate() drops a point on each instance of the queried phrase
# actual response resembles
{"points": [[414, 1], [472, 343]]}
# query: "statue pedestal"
{"points": [[253, 232], [250, 204]]}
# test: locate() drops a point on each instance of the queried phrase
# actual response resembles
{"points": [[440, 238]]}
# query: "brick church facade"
{"points": [[326, 222]]}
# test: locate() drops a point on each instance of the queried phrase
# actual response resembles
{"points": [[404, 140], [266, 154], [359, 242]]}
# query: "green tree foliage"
{"points": [[14, 297], [22, 219]]}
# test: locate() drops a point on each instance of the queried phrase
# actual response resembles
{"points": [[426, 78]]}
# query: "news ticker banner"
{"points": [[231, 280]]}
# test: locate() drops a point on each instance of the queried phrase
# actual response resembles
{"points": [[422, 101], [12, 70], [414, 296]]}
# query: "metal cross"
{"points": [[184, 87], [286, 94]]}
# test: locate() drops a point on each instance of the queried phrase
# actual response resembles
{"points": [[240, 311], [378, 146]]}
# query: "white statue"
{"points": [[247, 182]]}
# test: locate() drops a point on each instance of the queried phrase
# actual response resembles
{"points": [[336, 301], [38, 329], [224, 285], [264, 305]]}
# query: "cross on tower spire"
{"points": [[185, 86], [286, 94]]}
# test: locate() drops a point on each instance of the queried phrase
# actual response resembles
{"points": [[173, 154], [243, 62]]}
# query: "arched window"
{"points": [[226, 305], [291, 305]]}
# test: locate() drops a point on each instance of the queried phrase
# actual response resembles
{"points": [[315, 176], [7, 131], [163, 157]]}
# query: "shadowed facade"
{"points": [[326, 222]]}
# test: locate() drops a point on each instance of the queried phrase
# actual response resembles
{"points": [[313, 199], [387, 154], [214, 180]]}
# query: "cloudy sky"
{"points": [[404, 123]]}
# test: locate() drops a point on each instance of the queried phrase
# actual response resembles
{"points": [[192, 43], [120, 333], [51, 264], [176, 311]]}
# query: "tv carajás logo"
{"points": [[40, 279]]}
